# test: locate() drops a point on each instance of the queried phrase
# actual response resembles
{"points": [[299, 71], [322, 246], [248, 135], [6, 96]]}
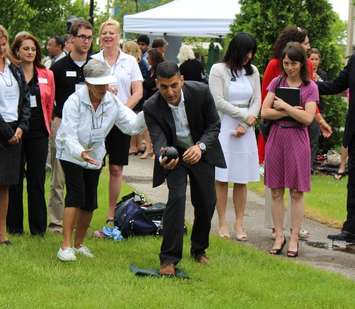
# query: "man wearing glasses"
{"points": [[68, 77]]}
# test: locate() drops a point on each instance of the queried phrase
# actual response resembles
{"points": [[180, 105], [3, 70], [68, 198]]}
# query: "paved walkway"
{"points": [[139, 175]]}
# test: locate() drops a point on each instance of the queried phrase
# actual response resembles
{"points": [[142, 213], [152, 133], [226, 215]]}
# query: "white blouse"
{"points": [[9, 95]]}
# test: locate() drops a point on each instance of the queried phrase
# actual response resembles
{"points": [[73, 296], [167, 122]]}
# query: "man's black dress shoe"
{"points": [[343, 236]]}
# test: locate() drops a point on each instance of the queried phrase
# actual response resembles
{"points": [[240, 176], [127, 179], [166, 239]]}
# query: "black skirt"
{"points": [[117, 147], [10, 156]]}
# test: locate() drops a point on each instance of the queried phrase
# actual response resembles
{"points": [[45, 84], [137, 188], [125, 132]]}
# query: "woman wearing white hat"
{"points": [[88, 116]]}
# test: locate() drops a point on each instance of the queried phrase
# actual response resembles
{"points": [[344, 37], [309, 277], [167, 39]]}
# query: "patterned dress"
{"points": [[287, 150]]}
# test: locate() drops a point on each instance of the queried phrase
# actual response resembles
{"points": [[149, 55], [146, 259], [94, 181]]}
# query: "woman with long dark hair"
{"points": [[287, 151], [14, 118], [235, 86], [34, 153]]}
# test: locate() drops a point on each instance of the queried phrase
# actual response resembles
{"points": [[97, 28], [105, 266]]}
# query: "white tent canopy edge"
{"points": [[203, 18]]}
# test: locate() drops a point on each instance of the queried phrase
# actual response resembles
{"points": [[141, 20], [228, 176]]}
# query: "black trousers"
{"points": [[349, 224], [314, 134], [33, 166], [203, 198]]}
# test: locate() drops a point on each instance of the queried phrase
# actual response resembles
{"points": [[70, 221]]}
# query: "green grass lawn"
{"points": [[325, 203], [238, 276]]}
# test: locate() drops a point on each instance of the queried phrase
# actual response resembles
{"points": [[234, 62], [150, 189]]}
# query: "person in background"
{"points": [[88, 116], [183, 115], [235, 86], [149, 88], [132, 48], [67, 43], [14, 120], [287, 151], [143, 43], [68, 76], [190, 67], [314, 130], [34, 152], [55, 46], [274, 69], [345, 80], [161, 45], [129, 89]]}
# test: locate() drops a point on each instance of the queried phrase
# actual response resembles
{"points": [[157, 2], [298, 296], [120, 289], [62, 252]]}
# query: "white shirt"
{"points": [[183, 133], [9, 94], [83, 128], [126, 70]]}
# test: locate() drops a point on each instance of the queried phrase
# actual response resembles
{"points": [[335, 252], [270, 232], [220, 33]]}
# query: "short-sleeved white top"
{"points": [[126, 70]]}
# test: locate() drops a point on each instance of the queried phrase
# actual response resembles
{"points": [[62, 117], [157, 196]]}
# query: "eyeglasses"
{"points": [[84, 37]]}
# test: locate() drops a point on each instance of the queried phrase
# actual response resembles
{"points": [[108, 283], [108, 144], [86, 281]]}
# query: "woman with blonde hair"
{"points": [[190, 67], [14, 119], [129, 90], [40, 82]]}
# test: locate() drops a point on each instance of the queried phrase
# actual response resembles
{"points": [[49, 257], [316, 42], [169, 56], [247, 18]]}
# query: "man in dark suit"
{"points": [[183, 115], [345, 80]]}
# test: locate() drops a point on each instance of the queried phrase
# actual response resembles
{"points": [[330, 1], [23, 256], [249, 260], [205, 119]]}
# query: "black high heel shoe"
{"points": [[279, 250], [292, 254]]}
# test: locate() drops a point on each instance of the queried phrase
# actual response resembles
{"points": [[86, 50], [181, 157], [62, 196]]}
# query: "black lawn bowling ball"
{"points": [[170, 153]]}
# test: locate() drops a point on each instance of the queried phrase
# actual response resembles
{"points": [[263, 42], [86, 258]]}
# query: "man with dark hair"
{"points": [[143, 43], [183, 115], [55, 47], [160, 45], [68, 77]]}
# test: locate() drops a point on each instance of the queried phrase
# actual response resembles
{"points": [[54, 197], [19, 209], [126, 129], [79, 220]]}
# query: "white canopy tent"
{"points": [[202, 18]]}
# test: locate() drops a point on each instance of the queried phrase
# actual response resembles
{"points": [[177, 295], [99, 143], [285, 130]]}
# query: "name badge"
{"points": [[42, 80], [70, 73], [97, 135], [33, 101], [78, 86]]}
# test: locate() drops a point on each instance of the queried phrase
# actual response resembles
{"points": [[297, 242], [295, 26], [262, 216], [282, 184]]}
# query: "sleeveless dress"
{"points": [[240, 153]]}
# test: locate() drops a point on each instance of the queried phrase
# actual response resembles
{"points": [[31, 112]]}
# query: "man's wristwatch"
{"points": [[202, 146]]}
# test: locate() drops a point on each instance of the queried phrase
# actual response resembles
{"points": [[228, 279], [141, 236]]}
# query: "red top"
{"points": [[47, 91]]}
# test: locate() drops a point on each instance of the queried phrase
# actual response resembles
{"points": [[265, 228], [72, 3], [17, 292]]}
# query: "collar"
{"points": [[121, 57], [73, 61]]}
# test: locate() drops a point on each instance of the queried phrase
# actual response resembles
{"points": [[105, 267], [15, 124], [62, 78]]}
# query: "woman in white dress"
{"points": [[235, 86]]}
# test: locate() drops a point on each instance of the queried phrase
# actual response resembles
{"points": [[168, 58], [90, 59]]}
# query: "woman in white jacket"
{"points": [[88, 116], [235, 86]]}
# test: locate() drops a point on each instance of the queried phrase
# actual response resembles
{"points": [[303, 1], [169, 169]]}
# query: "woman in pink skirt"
{"points": [[287, 150]]}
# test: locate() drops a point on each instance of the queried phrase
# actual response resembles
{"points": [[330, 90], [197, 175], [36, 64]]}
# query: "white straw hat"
{"points": [[98, 73]]}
